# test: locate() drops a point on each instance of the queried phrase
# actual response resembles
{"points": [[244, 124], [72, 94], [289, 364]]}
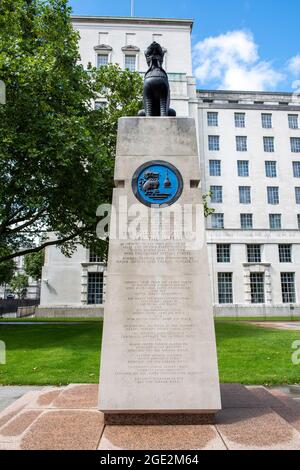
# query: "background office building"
{"points": [[249, 154]]}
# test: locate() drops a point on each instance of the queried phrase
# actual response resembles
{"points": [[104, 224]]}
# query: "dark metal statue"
{"points": [[156, 94]]}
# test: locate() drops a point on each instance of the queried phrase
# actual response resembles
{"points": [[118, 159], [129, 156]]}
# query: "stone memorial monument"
{"points": [[158, 360]]}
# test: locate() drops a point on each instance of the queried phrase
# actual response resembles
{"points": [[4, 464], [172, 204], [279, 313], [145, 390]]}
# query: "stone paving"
{"points": [[290, 326], [67, 418], [9, 394]]}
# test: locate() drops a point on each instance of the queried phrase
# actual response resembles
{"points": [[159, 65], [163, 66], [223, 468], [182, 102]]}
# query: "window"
{"points": [[223, 253], [296, 169], [217, 221], [285, 253], [254, 253], [214, 167], [95, 288], [298, 218], [293, 121], [214, 142], [130, 62], [295, 144], [246, 221], [216, 194], [297, 193], [275, 221], [225, 288], [243, 168], [257, 285], [212, 119], [266, 120], [288, 288], [94, 257], [271, 169], [273, 195], [241, 144], [240, 119], [100, 104], [269, 144], [245, 194], [102, 60]]}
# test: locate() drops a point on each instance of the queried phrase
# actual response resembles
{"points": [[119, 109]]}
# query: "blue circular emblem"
{"points": [[157, 183]]}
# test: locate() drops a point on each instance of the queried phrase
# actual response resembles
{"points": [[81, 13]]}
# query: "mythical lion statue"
{"points": [[156, 95]]}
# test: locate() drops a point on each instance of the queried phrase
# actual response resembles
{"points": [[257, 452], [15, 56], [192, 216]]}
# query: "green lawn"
{"points": [[62, 354]]}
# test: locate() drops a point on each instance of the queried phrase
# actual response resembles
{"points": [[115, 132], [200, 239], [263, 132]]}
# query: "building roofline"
{"points": [[245, 92], [132, 19]]}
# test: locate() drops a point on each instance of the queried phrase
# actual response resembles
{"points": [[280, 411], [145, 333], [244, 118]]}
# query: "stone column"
{"points": [[158, 359]]}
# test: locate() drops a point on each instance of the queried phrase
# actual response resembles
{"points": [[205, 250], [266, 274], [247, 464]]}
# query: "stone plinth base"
{"points": [[158, 419]]}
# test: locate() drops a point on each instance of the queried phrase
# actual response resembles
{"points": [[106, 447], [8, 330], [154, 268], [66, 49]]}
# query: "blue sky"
{"points": [[245, 44]]}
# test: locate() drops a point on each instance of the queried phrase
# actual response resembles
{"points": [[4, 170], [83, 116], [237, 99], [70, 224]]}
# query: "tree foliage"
{"points": [[56, 150], [33, 264], [19, 284], [7, 269]]}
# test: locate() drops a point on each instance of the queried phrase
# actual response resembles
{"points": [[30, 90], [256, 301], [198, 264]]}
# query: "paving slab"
{"points": [[67, 417], [64, 430], [161, 438], [238, 396], [9, 394], [256, 429]]}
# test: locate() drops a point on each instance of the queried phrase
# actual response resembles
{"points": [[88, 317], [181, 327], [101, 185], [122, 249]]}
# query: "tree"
{"points": [[19, 284], [56, 150], [7, 269], [33, 264]]}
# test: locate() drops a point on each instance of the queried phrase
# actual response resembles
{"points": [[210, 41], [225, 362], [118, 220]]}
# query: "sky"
{"points": [[236, 44]]}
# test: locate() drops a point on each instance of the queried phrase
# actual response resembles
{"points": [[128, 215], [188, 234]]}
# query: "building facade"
{"points": [[249, 154]]}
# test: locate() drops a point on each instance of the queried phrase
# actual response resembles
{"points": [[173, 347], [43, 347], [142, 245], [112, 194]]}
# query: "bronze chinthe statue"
{"points": [[156, 95]]}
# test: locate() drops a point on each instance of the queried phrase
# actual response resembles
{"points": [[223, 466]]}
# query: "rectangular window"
{"points": [[266, 120], [95, 288], [217, 221], [293, 121], [295, 144], [241, 144], [275, 221], [273, 195], [245, 194], [102, 60], [243, 168], [214, 143], [271, 169], [269, 144], [216, 194], [212, 119], [285, 253], [94, 257], [296, 169], [297, 194], [130, 62], [225, 288], [223, 253], [240, 119], [254, 253], [288, 288], [257, 285], [214, 167], [246, 221], [100, 104]]}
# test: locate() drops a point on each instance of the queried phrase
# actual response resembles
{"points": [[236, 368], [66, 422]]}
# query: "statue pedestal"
{"points": [[158, 360]]}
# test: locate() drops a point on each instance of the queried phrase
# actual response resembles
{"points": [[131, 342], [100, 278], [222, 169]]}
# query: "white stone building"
{"points": [[33, 289], [249, 152]]}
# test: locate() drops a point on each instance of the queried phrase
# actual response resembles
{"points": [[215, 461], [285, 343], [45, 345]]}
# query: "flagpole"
{"points": [[132, 7]]}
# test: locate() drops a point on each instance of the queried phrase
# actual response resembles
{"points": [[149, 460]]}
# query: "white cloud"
{"points": [[294, 65], [232, 62]]}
